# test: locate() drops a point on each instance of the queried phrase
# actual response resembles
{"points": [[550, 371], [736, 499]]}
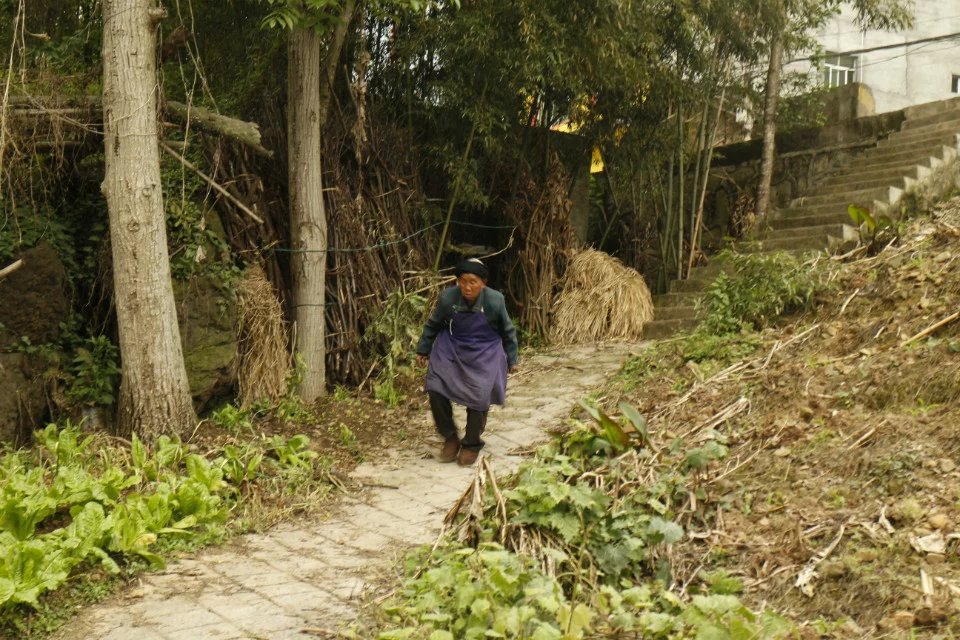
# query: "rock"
{"points": [[936, 558], [867, 555], [930, 616], [947, 465], [832, 569], [23, 405], [906, 510], [899, 621], [782, 452], [34, 298], [939, 521], [208, 331]]}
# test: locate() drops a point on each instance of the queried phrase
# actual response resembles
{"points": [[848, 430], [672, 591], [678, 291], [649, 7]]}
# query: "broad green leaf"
{"points": [[6, 590], [564, 523], [638, 421], [669, 531], [613, 432]]}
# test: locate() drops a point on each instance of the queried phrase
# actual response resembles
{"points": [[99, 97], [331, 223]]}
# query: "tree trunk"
{"points": [[154, 393], [771, 95], [308, 220]]}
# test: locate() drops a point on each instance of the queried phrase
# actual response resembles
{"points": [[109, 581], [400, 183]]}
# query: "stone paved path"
{"points": [[300, 578]]}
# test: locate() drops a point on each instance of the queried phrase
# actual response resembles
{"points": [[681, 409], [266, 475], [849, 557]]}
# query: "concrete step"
{"points": [[689, 299], [868, 174], [905, 142], [922, 149], [659, 329], [684, 312], [926, 109], [900, 182], [834, 229], [835, 208], [885, 157], [947, 121], [690, 285], [799, 221], [883, 194]]}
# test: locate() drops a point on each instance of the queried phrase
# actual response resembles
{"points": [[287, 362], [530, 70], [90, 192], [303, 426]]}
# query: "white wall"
{"points": [[905, 75]]}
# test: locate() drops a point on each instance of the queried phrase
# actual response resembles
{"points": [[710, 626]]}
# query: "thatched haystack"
{"points": [[262, 346], [601, 300]]}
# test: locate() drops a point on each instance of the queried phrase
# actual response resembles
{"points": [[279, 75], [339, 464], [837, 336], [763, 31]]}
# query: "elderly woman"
{"points": [[471, 344]]}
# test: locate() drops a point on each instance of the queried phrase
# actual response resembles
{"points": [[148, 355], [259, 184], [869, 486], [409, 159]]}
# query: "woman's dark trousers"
{"points": [[443, 417]]}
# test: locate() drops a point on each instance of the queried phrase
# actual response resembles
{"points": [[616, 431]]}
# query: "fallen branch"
{"points": [[847, 301], [10, 268], [226, 194], [247, 133], [950, 318]]}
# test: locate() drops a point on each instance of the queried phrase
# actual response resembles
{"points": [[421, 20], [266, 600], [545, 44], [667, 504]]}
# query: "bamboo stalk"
{"points": [[950, 318], [10, 268], [213, 183]]}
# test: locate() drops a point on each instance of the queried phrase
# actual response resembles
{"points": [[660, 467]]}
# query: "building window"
{"points": [[839, 70], [955, 84]]}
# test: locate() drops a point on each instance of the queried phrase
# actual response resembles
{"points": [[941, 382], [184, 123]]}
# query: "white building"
{"points": [[903, 68]]}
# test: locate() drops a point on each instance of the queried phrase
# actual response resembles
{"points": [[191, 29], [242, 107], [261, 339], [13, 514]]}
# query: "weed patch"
{"points": [[763, 287]]}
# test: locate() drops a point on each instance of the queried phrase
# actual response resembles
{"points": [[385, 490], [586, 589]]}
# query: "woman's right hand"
{"points": [[421, 360]]}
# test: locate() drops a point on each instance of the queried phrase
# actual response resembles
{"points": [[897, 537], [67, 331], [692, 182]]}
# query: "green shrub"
{"points": [[94, 372], [763, 287], [67, 503]]}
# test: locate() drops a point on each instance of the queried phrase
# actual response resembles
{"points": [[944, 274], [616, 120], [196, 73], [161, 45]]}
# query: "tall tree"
{"points": [[308, 218], [154, 393], [318, 29]]}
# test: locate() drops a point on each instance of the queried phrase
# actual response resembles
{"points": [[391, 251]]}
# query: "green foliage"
{"points": [[701, 346], [67, 504], [231, 419], [194, 239], [24, 228], [392, 335], [874, 230], [642, 367], [763, 287], [601, 505], [94, 373]]}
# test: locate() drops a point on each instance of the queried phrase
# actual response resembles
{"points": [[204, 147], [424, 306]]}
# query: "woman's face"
{"points": [[470, 286]]}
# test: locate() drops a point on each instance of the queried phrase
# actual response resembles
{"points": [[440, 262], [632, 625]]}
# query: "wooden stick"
{"points": [[226, 194], [10, 268], [950, 318]]}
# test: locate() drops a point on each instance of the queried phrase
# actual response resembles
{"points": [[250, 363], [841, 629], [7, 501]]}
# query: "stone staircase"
{"points": [[818, 221]]}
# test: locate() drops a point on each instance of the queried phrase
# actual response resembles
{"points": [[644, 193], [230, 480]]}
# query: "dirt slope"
{"points": [[844, 459]]}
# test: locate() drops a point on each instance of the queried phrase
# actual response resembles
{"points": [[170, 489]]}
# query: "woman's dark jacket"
{"points": [[490, 302]]}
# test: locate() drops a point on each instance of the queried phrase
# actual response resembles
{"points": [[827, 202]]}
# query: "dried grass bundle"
{"points": [[601, 300], [262, 345]]}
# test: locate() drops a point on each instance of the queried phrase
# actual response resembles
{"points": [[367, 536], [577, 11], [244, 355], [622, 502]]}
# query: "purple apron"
{"points": [[468, 364]]}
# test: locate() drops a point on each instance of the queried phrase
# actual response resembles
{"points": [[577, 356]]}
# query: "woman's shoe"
{"points": [[448, 452], [467, 457]]}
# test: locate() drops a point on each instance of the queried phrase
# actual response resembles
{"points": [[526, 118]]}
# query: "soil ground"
{"points": [[839, 501]]}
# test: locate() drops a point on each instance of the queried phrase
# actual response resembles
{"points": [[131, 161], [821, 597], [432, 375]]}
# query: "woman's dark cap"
{"points": [[471, 265]]}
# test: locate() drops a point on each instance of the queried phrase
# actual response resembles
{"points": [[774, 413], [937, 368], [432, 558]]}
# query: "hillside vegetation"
{"points": [[796, 481]]}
